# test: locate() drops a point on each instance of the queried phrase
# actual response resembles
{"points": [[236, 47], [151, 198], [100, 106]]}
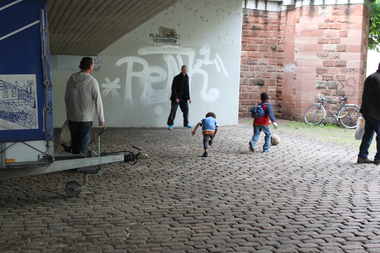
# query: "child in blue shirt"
{"points": [[209, 129]]}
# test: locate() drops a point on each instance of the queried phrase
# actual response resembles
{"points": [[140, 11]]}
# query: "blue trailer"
{"points": [[26, 113]]}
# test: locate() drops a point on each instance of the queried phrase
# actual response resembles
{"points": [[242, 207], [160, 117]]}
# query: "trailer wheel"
{"points": [[72, 189]]}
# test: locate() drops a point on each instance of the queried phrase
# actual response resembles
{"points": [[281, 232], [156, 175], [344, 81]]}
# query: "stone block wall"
{"points": [[262, 58], [312, 50]]}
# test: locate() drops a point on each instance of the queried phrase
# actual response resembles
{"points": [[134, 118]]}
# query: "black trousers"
{"points": [[80, 136], [184, 108]]}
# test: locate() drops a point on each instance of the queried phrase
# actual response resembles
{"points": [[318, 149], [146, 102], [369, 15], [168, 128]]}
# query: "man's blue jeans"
{"points": [[80, 136], [256, 134], [371, 126]]}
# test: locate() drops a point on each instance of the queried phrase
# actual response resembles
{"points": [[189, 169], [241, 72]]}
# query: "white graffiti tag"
{"points": [[290, 67], [111, 87], [173, 57], [205, 51]]}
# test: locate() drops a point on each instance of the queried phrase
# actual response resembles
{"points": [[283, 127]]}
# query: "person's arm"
{"points": [[269, 111], [363, 108], [196, 127], [188, 90], [98, 103], [174, 90], [67, 99], [216, 129]]}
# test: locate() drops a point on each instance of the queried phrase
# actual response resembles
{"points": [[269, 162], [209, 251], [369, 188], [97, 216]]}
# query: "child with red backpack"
{"points": [[261, 114]]}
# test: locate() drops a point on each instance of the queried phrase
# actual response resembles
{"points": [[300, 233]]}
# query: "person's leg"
{"points": [[255, 137], [185, 110], [84, 134], [377, 156], [367, 138], [267, 137], [376, 128], [74, 126], [212, 136], [206, 138], [172, 114], [256, 133]]}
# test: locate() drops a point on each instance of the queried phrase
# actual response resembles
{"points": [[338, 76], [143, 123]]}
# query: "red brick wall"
{"points": [[262, 58], [297, 54]]}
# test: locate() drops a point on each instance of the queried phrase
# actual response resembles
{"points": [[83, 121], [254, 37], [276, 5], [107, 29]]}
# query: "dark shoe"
{"points": [[210, 142], [364, 160], [205, 154], [251, 146], [377, 162]]}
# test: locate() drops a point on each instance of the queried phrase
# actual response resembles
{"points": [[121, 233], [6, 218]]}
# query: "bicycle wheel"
{"points": [[348, 116], [314, 115]]}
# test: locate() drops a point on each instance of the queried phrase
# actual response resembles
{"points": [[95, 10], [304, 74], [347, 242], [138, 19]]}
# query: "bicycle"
{"points": [[347, 113]]}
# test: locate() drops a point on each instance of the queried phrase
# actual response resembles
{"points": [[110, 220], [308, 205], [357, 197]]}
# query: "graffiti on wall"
{"points": [[18, 102], [111, 87], [345, 86], [148, 76], [348, 71], [290, 68], [70, 62]]}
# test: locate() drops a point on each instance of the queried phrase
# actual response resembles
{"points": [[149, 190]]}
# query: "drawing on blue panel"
{"points": [[18, 102]]}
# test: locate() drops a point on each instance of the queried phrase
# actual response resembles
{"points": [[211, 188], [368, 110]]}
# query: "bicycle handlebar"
{"points": [[324, 100]]}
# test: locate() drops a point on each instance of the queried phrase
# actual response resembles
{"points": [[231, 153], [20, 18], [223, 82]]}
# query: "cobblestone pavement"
{"points": [[304, 196]]}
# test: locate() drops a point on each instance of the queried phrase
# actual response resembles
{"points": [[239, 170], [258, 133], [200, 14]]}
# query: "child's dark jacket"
{"points": [[264, 120]]}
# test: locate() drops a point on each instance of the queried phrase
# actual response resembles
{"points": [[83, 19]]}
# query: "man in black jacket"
{"points": [[180, 96], [371, 112]]}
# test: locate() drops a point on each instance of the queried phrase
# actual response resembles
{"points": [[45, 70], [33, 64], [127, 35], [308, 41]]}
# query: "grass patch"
{"points": [[325, 132], [329, 132]]}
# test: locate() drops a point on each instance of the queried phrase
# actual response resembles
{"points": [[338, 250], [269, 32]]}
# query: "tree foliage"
{"points": [[374, 27]]}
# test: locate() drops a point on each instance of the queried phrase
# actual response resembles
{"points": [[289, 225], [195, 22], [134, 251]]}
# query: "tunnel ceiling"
{"points": [[87, 27]]}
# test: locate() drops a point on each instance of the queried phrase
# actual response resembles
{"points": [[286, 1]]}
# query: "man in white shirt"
{"points": [[82, 98]]}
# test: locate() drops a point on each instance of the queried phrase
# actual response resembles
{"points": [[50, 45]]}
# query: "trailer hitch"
{"points": [[132, 158], [73, 188]]}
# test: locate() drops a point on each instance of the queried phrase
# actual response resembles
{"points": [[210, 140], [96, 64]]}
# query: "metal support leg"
{"points": [[2, 156], [85, 178], [98, 145]]}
